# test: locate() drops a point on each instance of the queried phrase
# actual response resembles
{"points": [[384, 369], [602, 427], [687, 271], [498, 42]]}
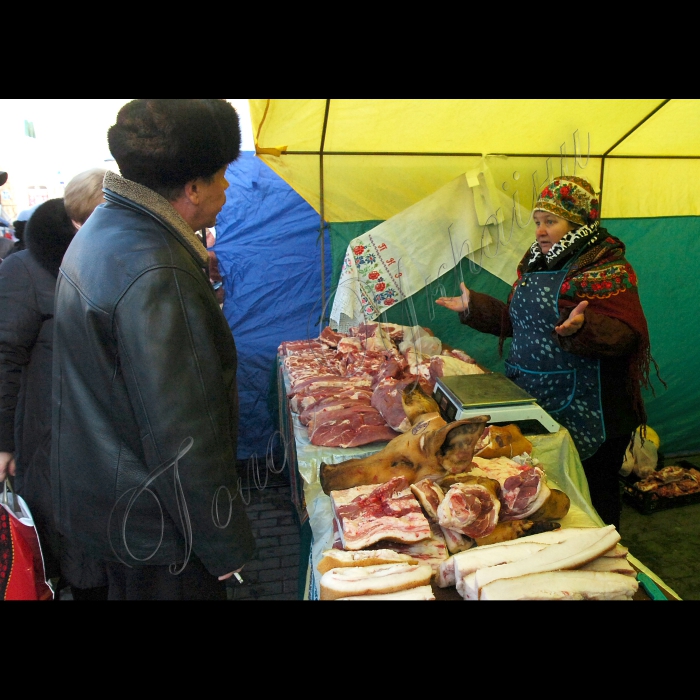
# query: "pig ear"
{"points": [[435, 440]]}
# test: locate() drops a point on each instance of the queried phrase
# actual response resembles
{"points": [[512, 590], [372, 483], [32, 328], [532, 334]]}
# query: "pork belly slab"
{"points": [[432, 551], [371, 580], [466, 563], [584, 546], [369, 514], [336, 558], [562, 585], [417, 593], [454, 569], [617, 565]]}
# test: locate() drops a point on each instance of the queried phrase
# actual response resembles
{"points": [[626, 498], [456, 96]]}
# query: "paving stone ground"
{"points": [[274, 572]]}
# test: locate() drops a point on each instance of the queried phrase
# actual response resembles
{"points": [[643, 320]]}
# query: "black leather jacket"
{"points": [[144, 368]]}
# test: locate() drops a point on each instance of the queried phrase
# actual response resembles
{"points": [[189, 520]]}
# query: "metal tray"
{"points": [[649, 502]]}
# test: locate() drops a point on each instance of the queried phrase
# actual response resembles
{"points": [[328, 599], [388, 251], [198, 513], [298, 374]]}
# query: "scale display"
{"points": [[494, 394]]}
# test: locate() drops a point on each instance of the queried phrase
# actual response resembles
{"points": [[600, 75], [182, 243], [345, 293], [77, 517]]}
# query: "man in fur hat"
{"points": [[145, 406]]}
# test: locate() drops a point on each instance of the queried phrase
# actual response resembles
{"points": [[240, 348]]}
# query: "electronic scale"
{"points": [[494, 394]]}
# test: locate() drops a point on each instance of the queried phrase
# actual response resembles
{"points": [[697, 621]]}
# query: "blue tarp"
{"points": [[269, 252]]}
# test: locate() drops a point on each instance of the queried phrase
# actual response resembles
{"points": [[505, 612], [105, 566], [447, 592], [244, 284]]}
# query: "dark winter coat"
{"points": [[27, 284], [145, 419], [6, 247]]}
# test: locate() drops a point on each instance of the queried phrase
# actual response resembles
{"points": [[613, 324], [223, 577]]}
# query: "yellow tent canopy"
{"points": [[359, 163], [355, 160]]}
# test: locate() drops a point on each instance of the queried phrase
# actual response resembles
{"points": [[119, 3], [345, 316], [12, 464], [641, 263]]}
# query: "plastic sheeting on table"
{"points": [[556, 453]]}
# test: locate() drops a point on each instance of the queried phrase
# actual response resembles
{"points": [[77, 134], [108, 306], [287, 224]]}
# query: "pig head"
{"points": [[430, 448]]}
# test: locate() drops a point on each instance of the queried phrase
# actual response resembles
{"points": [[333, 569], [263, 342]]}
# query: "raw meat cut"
{"points": [[335, 402], [291, 346], [369, 364], [330, 380], [330, 337], [347, 345], [421, 341], [459, 354], [386, 398], [430, 496], [431, 551], [353, 428], [336, 415], [523, 489], [448, 366], [306, 399], [369, 514], [471, 508], [456, 541]]}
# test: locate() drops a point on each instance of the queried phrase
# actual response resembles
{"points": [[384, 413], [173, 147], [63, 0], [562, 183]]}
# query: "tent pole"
{"points": [[464, 155], [322, 213], [615, 145]]}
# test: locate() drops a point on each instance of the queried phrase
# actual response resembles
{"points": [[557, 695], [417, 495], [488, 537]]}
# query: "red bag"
{"points": [[22, 574]]}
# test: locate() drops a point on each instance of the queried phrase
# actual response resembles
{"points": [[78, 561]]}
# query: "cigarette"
{"points": [[238, 577]]}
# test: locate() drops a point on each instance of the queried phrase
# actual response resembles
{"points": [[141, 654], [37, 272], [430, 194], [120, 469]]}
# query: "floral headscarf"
{"points": [[570, 197]]}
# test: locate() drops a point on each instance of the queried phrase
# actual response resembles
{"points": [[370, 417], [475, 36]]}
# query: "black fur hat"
{"points": [[164, 144], [48, 234]]}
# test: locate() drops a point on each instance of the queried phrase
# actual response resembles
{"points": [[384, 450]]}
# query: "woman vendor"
{"points": [[580, 339]]}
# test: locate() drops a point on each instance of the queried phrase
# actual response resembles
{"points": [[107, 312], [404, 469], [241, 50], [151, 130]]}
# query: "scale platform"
{"points": [[494, 394]]}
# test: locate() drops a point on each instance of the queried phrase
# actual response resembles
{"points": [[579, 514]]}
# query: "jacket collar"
{"points": [[157, 206]]}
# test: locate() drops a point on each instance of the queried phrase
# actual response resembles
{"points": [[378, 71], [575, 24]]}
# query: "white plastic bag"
{"points": [[642, 458]]}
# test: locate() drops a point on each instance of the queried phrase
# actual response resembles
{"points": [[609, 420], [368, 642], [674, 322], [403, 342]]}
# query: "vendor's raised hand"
{"points": [[7, 464], [456, 303], [574, 322]]}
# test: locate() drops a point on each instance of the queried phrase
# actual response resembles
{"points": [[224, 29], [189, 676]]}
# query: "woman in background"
{"points": [[27, 284]]}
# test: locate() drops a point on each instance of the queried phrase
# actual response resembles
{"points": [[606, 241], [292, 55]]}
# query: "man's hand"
{"points": [[456, 303], [574, 322], [225, 576], [7, 464]]}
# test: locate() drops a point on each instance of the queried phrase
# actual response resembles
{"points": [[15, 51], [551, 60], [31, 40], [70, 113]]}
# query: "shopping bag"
{"points": [[641, 459], [22, 574]]}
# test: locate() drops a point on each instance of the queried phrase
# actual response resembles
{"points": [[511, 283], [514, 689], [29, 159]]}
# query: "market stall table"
{"points": [[556, 453]]}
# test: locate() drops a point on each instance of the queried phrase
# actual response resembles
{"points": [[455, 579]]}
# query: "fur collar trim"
{"points": [[161, 208]]}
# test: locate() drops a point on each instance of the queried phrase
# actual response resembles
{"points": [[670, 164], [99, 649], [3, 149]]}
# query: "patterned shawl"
{"points": [[601, 275]]}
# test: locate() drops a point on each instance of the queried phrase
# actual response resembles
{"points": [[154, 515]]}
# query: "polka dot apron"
{"points": [[567, 386]]}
